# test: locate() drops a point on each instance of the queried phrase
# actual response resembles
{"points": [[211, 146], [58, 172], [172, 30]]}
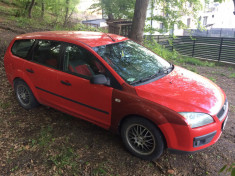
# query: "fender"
{"points": [[21, 75], [126, 103]]}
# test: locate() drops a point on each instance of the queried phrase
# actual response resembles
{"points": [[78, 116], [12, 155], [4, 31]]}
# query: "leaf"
{"points": [[223, 168]]}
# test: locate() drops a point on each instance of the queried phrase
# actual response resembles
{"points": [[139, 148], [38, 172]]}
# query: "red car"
{"points": [[119, 85]]}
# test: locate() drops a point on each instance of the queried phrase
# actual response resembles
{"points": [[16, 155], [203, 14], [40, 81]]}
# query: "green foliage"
{"points": [[117, 8], [57, 11], [232, 75], [53, 19], [7, 11], [174, 56], [171, 12], [228, 169], [161, 51]]}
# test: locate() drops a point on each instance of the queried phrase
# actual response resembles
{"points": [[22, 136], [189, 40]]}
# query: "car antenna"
{"points": [[110, 37]]}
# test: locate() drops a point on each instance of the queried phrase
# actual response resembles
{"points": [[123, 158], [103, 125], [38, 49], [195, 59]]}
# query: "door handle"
{"points": [[29, 70], [66, 83]]}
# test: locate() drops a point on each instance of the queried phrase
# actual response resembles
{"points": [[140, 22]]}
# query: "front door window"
{"points": [[81, 62]]}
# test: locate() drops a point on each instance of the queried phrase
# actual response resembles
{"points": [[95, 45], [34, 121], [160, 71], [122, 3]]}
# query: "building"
{"points": [[215, 15]]}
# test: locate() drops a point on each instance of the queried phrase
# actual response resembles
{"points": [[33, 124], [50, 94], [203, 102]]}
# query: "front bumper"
{"points": [[185, 139]]}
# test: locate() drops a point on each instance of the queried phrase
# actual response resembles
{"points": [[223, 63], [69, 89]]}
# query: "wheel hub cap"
{"points": [[140, 139]]}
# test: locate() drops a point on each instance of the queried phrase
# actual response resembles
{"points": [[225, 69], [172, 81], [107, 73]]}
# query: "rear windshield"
{"points": [[21, 48]]}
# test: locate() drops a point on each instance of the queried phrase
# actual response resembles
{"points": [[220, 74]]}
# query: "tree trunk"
{"points": [[234, 7], [139, 18], [42, 9], [66, 13], [110, 17], [31, 7]]}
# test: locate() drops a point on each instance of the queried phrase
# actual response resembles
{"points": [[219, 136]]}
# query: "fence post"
{"points": [[193, 47], [158, 39], [220, 48]]}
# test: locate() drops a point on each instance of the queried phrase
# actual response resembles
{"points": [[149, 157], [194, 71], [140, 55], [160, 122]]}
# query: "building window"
{"points": [[188, 22], [205, 20], [161, 26]]}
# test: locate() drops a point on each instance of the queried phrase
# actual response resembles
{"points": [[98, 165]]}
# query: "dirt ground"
{"points": [[44, 141]]}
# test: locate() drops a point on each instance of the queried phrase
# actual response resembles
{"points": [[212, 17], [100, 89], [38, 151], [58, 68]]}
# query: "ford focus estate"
{"points": [[118, 85]]}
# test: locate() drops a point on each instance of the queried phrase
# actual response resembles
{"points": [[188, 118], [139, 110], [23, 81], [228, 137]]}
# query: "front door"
{"points": [[88, 101]]}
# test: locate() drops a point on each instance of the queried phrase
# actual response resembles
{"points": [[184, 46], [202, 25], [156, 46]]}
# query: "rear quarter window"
{"points": [[21, 48]]}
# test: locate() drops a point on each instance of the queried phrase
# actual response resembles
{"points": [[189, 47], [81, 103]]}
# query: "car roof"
{"points": [[91, 39]]}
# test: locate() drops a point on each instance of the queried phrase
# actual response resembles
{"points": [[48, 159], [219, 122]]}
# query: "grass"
{"points": [[232, 108], [5, 105], [62, 157], [65, 159], [100, 170], [212, 79], [45, 137], [193, 69]]}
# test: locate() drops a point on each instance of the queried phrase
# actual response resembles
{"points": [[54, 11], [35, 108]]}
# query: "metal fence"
{"points": [[211, 48], [214, 32]]}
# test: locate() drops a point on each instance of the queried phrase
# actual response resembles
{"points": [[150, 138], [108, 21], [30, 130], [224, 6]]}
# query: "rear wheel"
{"points": [[24, 95], [142, 138]]}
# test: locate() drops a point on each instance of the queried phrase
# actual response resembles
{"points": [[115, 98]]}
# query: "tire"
{"points": [[24, 95], [142, 138]]}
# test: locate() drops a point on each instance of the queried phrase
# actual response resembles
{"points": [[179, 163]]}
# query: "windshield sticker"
{"points": [[131, 79], [123, 54]]}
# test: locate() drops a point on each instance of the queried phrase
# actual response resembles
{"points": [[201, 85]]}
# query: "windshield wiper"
{"points": [[146, 78], [159, 73]]}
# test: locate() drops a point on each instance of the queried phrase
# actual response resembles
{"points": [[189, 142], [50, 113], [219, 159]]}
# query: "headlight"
{"points": [[195, 119]]}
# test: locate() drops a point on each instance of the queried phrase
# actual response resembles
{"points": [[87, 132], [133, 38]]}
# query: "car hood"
{"points": [[184, 91]]}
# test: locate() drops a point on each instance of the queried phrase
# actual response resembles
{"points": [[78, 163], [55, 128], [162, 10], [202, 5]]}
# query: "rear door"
{"points": [[42, 70]]}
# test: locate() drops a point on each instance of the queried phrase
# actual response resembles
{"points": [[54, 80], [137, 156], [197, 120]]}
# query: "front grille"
{"points": [[223, 110]]}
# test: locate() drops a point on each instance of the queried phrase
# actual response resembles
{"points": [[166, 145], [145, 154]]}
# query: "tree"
{"points": [[69, 9], [66, 12], [139, 20], [42, 8], [171, 12], [30, 8], [115, 9]]}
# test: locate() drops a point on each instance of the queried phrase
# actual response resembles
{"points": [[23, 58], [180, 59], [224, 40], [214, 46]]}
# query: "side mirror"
{"points": [[99, 79]]}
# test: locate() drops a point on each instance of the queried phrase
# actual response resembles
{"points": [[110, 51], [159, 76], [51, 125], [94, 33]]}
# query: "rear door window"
{"points": [[47, 53], [21, 48]]}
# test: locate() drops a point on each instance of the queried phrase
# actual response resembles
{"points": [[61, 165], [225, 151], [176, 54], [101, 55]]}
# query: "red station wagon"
{"points": [[119, 85]]}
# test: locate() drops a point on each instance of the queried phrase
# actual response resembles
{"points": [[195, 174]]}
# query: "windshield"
{"points": [[133, 62]]}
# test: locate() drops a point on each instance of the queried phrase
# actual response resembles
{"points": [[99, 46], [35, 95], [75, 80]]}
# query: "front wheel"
{"points": [[142, 138]]}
